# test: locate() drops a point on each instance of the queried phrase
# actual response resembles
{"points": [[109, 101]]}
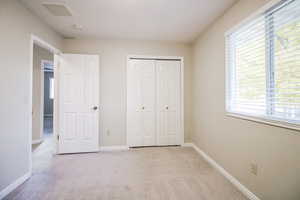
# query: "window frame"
{"points": [[51, 88], [266, 118]]}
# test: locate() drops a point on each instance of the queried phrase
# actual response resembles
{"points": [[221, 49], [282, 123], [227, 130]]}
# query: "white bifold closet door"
{"points": [[153, 102], [141, 103], [168, 102]]}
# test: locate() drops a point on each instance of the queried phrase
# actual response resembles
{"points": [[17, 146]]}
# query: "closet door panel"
{"points": [[168, 100], [134, 136], [147, 75], [141, 103]]}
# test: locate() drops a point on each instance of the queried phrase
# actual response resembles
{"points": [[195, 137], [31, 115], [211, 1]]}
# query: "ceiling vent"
{"points": [[57, 9]]}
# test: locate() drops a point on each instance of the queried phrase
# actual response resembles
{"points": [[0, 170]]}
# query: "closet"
{"points": [[154, 102]]}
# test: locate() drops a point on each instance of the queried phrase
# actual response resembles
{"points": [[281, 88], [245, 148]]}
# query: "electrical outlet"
{"points": [[108, 132], [254, 169]]}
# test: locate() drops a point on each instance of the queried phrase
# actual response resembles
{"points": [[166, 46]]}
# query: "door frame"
{"points": [[150, 57], [42, 73], [44, 44]]}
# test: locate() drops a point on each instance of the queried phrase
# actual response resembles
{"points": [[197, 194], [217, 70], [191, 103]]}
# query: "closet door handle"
{"points": [[95, 108]]}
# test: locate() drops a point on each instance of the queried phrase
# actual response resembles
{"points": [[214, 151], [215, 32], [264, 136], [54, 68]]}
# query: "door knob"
{"points": [[143, 108], [95, 108], [167, 107]]}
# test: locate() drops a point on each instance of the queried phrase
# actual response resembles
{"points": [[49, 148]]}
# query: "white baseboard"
{"points": [[187, 145], [228, 176], [114, 148], [37, 141], [14, 185]]}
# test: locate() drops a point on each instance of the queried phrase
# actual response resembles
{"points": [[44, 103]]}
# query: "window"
{"points": [[263, 60], [51, 88]]}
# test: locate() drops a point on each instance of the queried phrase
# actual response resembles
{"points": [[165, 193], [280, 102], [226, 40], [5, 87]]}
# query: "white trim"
{"points": [[42, 100], [42, 43], [154, 57], [14, 185], [188, 144], [181, 58], [259, 12], [227, 175], [181, 99], [55, 101], [30, 107], [41, 108], [114, 148], [37, 141], [262, 120]]}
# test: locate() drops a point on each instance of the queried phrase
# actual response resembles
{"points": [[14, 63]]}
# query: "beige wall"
{"points": [[39, 54], [16, 23], [113, 55], [235, 143]]}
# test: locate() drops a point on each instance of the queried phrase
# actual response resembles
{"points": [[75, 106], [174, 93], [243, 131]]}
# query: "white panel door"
{"points": [[141, 103], [168, 102], [78, 86]]}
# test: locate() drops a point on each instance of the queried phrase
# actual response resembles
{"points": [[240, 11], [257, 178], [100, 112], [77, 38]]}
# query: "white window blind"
{"points": [[263, 60]]}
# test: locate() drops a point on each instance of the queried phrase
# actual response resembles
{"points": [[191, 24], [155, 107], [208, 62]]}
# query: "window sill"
{"points": [[262, 120]]}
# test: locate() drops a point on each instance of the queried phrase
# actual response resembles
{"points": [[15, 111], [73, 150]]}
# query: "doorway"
{"points": [[42, 128], [42, 98]]}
